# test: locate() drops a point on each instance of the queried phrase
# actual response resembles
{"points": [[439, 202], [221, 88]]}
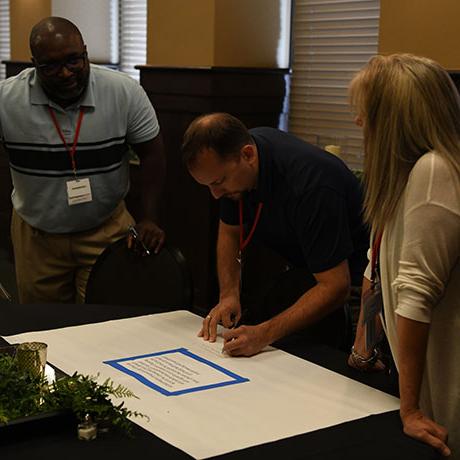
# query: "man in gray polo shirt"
{"points": [[67, 127]]}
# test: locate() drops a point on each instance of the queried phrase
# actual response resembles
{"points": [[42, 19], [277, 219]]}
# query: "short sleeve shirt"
{"points": [[117, 112], [312, 205]]}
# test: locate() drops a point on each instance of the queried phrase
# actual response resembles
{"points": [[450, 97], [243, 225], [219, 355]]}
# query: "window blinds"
{"points": [[133, 35], [4, 34], [332, 39]]}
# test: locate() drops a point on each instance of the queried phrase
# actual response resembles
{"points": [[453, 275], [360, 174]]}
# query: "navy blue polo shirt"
{"points": [[312, 205]]}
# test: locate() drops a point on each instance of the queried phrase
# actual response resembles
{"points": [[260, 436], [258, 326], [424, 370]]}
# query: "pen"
{"points": [[234, 326], [5, 293], [135, 235]]}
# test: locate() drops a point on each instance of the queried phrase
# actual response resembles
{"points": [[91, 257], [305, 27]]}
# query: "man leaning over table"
{"points": [[67, 126], [300, 201]]}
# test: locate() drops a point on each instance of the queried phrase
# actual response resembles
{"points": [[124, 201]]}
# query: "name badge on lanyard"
{"points": [[78, 189], [372, 298]]}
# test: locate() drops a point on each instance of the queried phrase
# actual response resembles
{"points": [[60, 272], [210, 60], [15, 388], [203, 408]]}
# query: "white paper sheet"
{"points": [[284, 396]]}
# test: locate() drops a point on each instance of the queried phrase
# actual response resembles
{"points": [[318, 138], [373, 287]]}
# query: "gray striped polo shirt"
{"points": [[117, 112]]}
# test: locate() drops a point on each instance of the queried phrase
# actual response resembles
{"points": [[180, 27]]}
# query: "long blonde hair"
{"points": [[409, 106]]}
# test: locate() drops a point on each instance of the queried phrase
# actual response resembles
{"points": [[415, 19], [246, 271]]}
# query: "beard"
{"points": [[68, 90]]}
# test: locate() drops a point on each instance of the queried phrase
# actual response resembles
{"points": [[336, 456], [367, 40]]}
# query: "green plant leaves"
{"points": [[22, 395]]}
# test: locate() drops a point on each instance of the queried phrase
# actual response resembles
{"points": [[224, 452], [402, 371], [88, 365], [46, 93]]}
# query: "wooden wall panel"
{"points": [[424, 27], [24, 14], [211, 33], [180, 32]]}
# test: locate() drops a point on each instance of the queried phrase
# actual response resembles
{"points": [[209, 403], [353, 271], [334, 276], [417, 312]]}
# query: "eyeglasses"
{"points": [[73, 64]]}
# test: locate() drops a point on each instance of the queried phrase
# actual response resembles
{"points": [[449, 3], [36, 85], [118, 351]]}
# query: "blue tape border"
{"points": [[236, 378]]}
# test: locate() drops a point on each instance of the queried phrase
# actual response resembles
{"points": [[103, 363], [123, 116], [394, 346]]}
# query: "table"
{"points": [[379, 437]]}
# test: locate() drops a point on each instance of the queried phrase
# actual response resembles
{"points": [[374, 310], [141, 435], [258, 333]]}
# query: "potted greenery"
{"points": [[24, 394]]}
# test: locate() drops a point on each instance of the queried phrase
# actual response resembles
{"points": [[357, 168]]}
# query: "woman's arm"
{"points": [[430, 249], [413, 338], [360, 340]]}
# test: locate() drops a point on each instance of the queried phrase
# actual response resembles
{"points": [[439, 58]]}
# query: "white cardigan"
{"points": [[420, 272]]}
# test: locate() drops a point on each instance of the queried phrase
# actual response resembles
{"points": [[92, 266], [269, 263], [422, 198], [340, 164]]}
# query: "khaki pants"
{"points": [[54, 268]]}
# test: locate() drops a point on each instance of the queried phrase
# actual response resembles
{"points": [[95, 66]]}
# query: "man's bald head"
{"points": [[52, 30], [60, 59], [220, 132]]}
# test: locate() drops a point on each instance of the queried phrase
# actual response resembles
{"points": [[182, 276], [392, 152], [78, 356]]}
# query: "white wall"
{"points": [[98, 23], [284, 46]]}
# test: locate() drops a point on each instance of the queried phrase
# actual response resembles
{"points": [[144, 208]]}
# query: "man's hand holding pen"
{"points": [[245, 340], [238, 340]]}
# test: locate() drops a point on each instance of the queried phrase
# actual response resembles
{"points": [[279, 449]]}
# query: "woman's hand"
{"points": [[364, 362], [420, 427]]}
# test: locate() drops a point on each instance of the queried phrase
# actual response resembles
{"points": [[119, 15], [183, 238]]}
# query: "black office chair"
{"points": [[122, 277]]}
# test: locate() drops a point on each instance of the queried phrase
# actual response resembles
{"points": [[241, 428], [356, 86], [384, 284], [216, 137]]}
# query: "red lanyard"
{"points": [[245, 242], [375, 257], [75, 139]]}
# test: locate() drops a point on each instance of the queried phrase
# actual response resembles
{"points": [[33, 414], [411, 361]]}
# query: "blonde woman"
{"points": [[410, 114]]}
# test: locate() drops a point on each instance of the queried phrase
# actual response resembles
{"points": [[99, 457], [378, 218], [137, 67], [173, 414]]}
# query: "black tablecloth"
{"points": [[375, 437]]}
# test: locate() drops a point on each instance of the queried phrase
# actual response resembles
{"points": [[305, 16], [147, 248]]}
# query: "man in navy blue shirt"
{"points": [[293, 197]]}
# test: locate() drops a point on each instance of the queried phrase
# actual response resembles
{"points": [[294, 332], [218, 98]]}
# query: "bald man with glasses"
{"points": [[73, 64], [67, 126]]}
